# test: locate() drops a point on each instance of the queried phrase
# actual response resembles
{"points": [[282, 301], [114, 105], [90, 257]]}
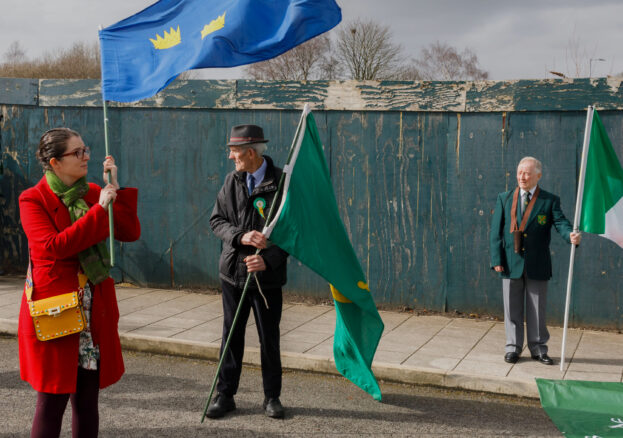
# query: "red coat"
{"points": [[54, 242]]}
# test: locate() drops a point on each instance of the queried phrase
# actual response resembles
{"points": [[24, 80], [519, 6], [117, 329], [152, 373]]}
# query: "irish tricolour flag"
{"points": [[602, 202]]}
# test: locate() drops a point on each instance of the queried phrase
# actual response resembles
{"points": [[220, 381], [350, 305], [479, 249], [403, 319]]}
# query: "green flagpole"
{"points": [[269, 218], [111, 224]]}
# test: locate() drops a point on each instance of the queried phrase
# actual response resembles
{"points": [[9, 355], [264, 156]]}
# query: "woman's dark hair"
{"points": [[53, 144]]}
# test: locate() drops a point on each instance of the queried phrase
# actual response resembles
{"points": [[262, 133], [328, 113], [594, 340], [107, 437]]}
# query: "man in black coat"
{"points": [[239, 214]]}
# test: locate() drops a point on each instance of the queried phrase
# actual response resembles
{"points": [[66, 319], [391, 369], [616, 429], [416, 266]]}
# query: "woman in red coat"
{"points": [[66, 222]]}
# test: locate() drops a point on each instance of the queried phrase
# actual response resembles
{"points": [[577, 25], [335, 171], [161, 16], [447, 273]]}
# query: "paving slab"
{"points": [[432, 361], [391, 320], [301, 335], [123, 293], [181, 322], [141, 318], [448, 346], [157, 331], [490, 366], [9, 310], [323, 349], [209, 331], [10, 299], [490, 347], [419, 349], [393, 357], [595, 376]]}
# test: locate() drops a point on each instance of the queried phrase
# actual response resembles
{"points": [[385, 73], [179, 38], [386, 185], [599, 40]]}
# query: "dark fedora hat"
{"points": [[246, 134]]}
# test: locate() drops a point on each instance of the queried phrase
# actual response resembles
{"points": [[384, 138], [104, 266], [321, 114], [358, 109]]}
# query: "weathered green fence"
{"points": [[416, 169]]}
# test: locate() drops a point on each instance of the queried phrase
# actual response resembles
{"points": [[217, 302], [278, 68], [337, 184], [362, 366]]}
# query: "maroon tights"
{"points": [[84, 413]]}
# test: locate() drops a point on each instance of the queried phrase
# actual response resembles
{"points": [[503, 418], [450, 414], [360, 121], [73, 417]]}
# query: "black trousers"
{"points": [[267, 322]]}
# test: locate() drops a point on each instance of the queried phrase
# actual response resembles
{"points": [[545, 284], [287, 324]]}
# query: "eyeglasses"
{"points": [[78, 153]]}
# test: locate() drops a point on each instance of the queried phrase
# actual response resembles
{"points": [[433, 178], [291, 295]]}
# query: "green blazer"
{"points": [[535, 255]]}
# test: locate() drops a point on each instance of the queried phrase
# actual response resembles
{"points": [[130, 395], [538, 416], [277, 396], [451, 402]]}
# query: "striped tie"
{"points": [[526, 202]]}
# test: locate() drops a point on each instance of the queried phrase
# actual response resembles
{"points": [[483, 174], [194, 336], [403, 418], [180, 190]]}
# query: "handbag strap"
{"points": [[82, 279], [29, 284]]}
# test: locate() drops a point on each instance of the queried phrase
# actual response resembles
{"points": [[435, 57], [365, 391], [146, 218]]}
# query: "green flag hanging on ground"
{"points": [[602, 202], [583, 409], [308, 226]]}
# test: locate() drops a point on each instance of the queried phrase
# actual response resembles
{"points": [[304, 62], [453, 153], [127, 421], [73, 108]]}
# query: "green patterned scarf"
{"points": [[94, 260]]}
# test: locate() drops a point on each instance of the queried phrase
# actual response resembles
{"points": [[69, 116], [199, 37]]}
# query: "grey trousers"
{"points": [[532, 293]]}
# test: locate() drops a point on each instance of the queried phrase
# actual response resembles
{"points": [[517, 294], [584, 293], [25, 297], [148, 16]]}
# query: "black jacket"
{"points": [[234, 214]]}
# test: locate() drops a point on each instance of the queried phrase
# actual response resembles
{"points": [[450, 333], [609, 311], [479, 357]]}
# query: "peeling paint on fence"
{"points": [[420, 96], [416, 167]]}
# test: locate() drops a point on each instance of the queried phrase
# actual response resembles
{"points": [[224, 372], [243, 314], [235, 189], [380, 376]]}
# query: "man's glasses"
{"points": [[79, 153]]}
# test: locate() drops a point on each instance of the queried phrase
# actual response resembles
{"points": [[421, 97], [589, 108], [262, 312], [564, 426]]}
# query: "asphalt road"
{"points": [[162, 396]]}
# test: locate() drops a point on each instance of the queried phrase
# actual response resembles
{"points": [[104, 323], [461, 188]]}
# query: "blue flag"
{"points": [[142, 54]]}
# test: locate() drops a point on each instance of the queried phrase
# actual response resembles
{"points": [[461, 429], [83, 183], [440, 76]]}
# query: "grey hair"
{"points": [[260, 148], [537, 164]]}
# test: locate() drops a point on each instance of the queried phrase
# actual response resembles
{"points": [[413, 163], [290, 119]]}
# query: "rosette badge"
{"points": [[260, 204]]}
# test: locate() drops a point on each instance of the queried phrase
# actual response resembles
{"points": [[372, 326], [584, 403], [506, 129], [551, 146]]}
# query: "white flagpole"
{"points": [[287, 170], [576, 224]]}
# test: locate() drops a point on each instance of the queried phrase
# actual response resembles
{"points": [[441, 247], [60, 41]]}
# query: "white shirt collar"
{"points": [[532, 190], [259, 174]]}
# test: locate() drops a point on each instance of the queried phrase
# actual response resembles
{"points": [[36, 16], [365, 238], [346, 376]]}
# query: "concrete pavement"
{"points": [[436, 350]]}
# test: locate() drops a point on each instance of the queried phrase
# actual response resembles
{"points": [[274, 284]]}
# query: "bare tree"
{"points": [[367, 50], [310, 60], [82, 60], [15, 53], [331, 67], [442, 62], [580, 61], [578, 57], [407, 72]]}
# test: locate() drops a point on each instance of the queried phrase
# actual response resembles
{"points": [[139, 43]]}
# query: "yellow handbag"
{"points": [[57, 316]]}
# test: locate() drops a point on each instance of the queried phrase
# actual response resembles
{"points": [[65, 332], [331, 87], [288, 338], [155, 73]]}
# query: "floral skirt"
{"points": [[88, 354]]}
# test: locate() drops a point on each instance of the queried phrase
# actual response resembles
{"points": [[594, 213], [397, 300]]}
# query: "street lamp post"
{"points": [[590, 65]]}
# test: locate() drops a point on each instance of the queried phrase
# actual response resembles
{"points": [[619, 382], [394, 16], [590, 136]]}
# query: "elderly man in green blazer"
{"points": [[520, 236]]}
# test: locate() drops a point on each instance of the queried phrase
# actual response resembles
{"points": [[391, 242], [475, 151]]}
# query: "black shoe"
{"points": [[511, 357], [220, 406], [273, 408], [543, 358]]}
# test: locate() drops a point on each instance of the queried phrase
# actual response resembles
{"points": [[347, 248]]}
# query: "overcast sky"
{"points": [[518, 39]]}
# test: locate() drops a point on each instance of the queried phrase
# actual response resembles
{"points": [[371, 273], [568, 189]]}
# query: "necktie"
{"points": [[525, 202], [251, 183]]}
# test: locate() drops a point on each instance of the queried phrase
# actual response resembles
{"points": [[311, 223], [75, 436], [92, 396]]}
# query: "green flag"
{"points": [[308, 226], [602, 202], [583, 409]]}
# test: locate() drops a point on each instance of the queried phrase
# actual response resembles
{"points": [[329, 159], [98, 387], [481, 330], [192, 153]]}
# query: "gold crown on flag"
{"points": [[214, 25], [172, 38]]}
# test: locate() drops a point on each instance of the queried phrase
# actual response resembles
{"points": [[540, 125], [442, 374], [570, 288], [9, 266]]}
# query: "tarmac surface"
{"points": [[424, 350]]}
